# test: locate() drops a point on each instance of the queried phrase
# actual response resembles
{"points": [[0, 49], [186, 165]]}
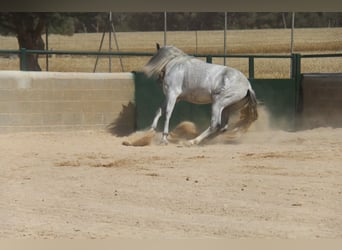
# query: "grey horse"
{"points": [[190, 79]]}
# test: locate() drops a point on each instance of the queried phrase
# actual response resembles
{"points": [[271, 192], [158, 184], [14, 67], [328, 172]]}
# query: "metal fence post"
{"points": [[293, 66], [296, 75], [251, 67], [23, 54], [296, 66]]}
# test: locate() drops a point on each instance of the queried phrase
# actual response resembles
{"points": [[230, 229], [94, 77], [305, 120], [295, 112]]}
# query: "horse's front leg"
{"points": [[170, 104], [160, 111], [156, 119]]}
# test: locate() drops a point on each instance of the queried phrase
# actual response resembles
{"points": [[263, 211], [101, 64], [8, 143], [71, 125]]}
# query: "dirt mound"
{"points": [[184, 131], [140, 138]]}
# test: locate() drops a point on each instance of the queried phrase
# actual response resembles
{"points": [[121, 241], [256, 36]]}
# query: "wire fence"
{"points": [[239, 42]]}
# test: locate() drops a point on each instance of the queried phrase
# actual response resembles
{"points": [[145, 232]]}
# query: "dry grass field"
{"points": [[268, 41]]}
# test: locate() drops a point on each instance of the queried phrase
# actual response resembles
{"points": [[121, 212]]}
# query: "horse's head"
{"points": [[158, 61]]}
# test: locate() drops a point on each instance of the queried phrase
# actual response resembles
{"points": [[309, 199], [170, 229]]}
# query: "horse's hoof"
{"points": [[224, 129], [189, 143], [126, 143], [164, 142]]}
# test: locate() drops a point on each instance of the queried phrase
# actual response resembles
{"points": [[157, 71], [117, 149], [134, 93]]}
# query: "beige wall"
{"points": [[51, 101]]}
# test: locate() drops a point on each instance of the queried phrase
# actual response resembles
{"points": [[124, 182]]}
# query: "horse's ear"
{"points": [[158, 46]]}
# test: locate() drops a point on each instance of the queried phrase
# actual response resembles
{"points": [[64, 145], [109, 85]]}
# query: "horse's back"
{"points": [[200, 81], [213, 76]]}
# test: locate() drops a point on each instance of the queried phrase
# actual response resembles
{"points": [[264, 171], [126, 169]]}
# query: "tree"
{"points": [[28, 28], [151, 21]]}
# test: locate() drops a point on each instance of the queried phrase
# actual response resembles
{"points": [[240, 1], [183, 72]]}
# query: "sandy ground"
{"points": [[86, 184]]}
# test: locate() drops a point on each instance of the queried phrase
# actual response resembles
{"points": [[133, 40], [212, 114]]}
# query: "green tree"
{"points": [[152, 21], [61, 23], [28, 27]]}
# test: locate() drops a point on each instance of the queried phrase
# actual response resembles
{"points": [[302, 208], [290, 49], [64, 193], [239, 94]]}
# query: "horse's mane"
{"points": [[163, 57]]}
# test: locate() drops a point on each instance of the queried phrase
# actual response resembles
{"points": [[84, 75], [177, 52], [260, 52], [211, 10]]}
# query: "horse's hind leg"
{"points": [[224, 119], [220, 107], [216, 111]]}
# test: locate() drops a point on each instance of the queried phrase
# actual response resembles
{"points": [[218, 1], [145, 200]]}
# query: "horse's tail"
{"points": [[248, 113]]}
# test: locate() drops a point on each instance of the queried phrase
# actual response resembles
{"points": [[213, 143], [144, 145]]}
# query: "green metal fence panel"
{"points": [[279, 97]]}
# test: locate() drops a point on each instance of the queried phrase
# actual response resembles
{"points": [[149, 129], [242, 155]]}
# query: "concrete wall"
{"points": [[322, 100], [50, 101]]}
